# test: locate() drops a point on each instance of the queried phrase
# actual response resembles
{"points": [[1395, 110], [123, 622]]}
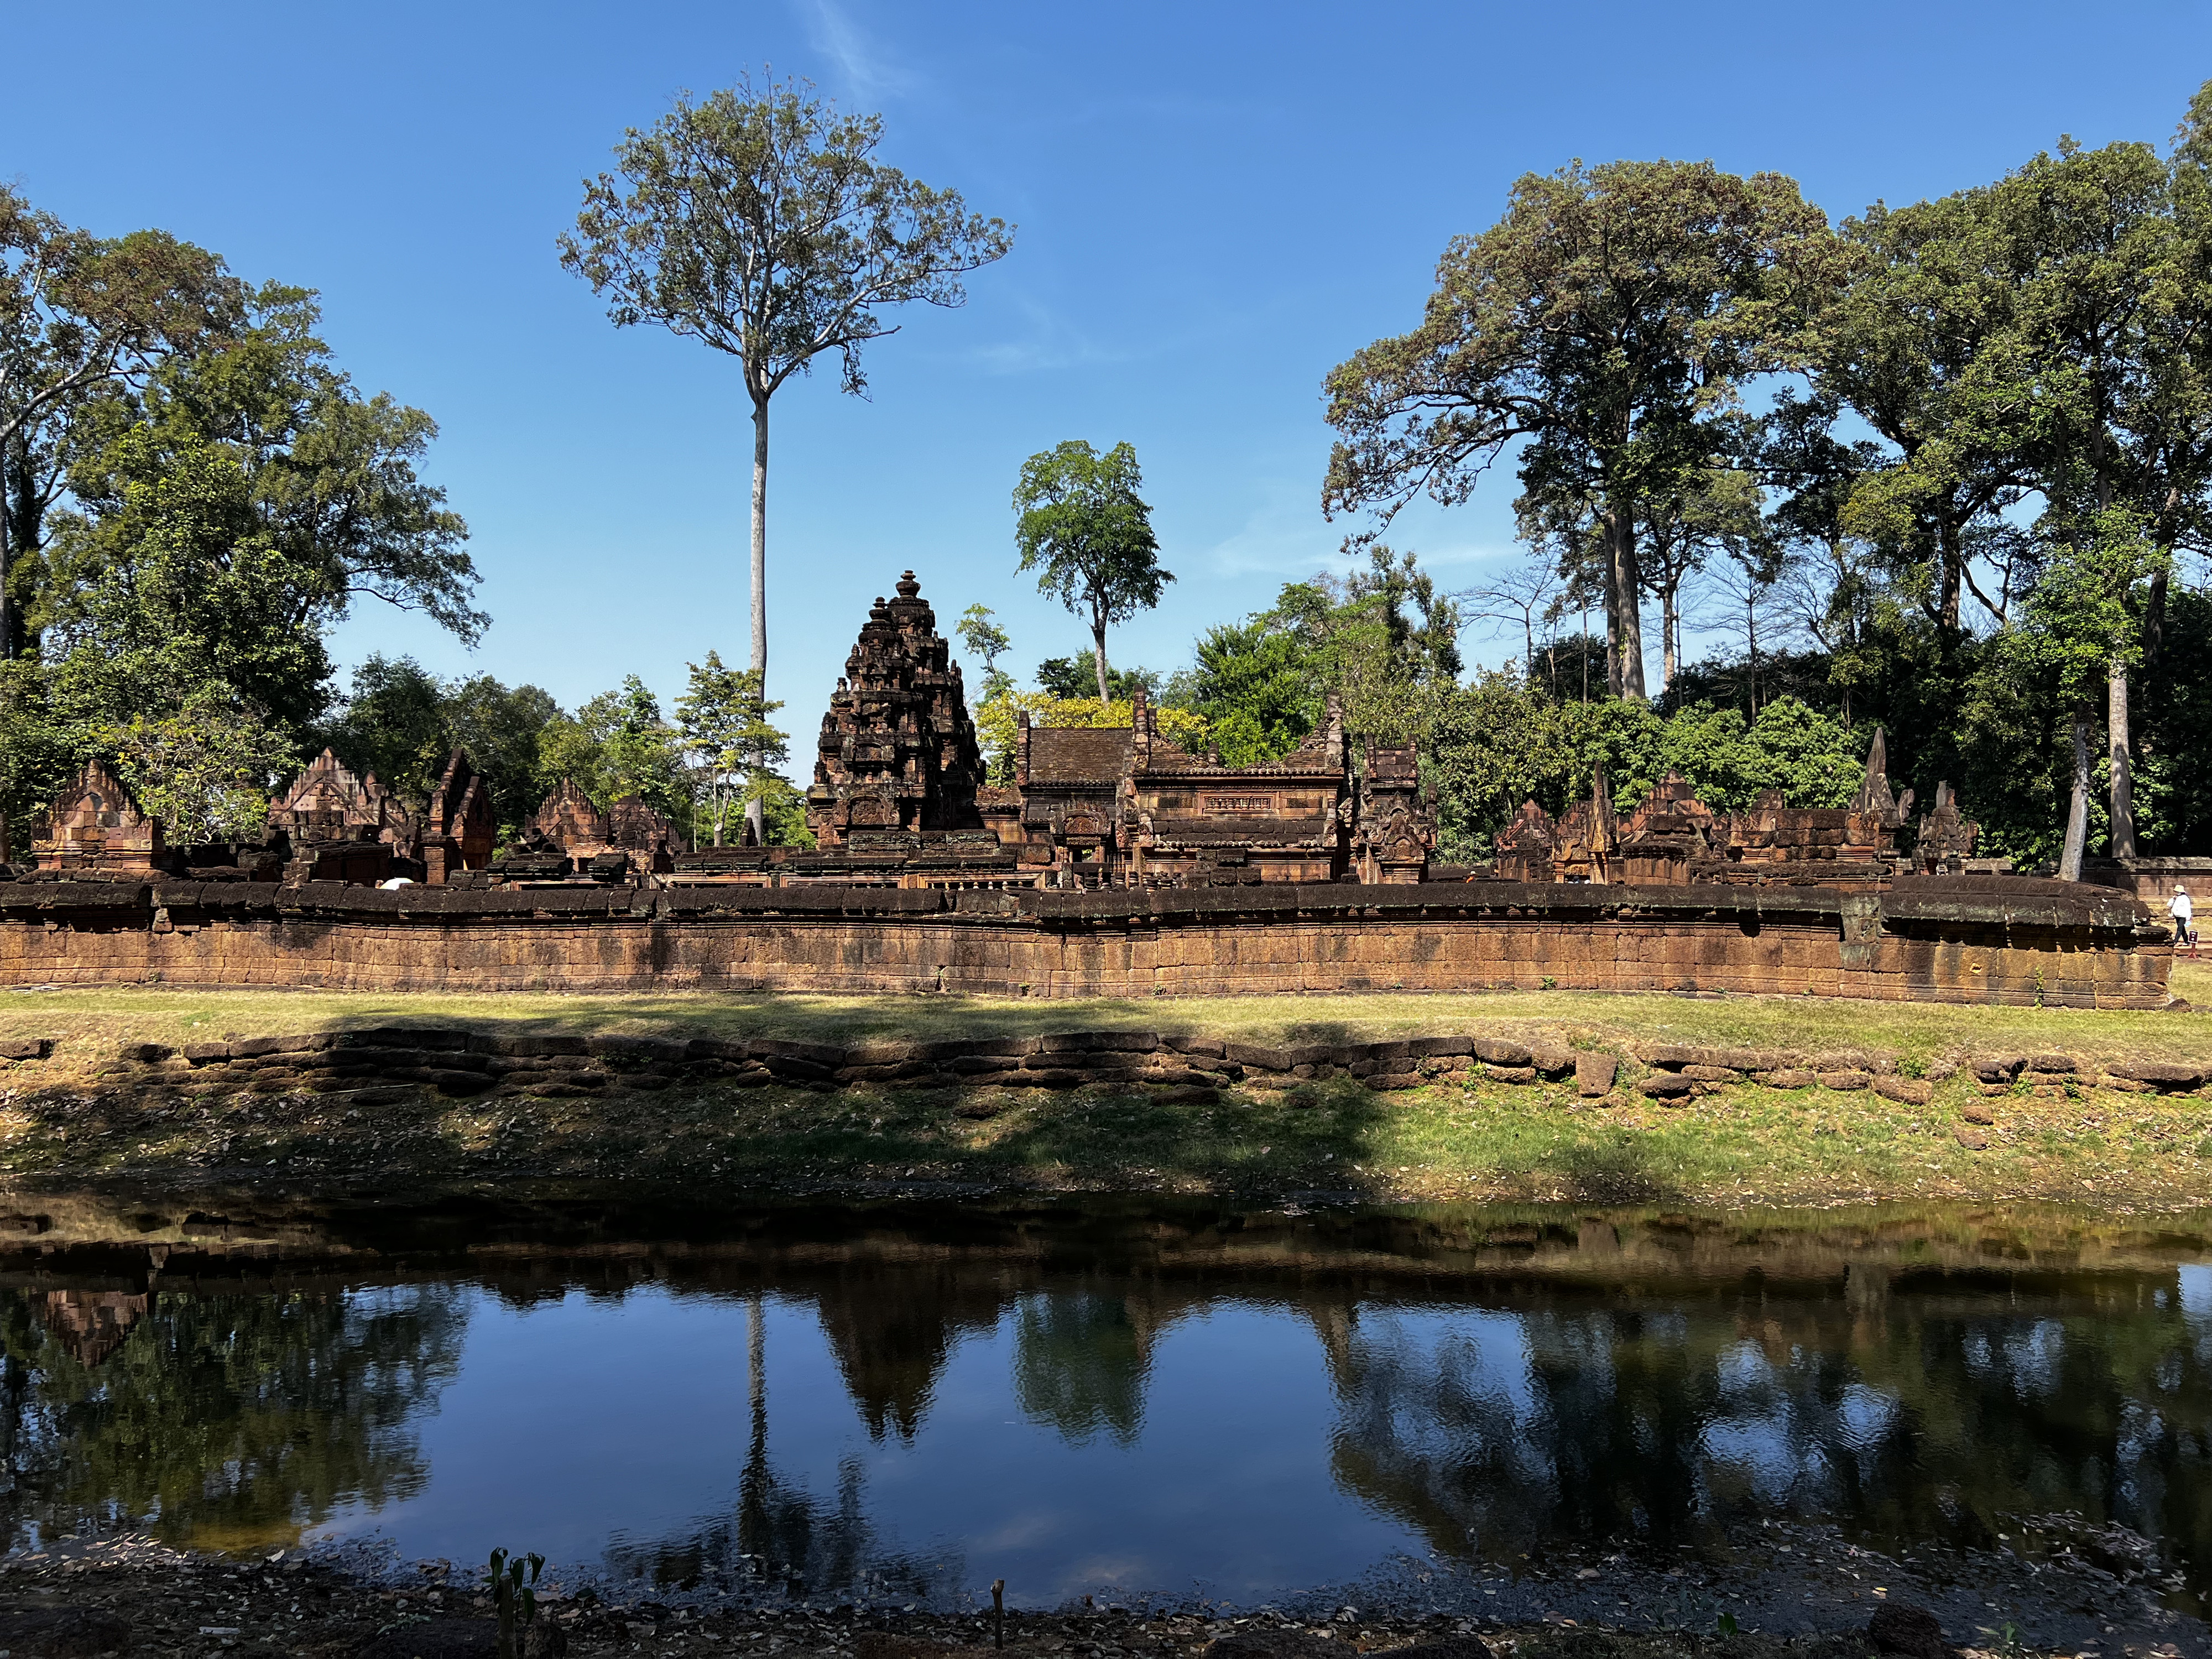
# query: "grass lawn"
{"points": [[1488, 1140], [93, 1024]]}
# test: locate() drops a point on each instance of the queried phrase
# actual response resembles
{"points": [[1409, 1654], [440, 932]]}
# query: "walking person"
{"points": [[2182, 911]]}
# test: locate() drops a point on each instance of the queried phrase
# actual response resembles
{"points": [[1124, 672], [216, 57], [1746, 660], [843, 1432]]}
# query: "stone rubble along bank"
{"points": [[116, 1596], [470, 1063]]}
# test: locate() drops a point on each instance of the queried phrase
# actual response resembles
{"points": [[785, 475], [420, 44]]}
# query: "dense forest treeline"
{"points": [[1945, 468]]}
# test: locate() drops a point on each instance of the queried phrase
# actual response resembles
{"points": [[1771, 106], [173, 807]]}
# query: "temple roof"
{"points": [[1074, 754]]}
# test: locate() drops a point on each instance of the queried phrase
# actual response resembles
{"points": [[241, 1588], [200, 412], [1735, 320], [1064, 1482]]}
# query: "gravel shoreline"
{"points": [[326, 1602]]}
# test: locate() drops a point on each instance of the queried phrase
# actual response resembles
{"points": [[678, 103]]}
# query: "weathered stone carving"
{"points": [[897, 750], [1397, 819], [95, 827], [643, 833], [1945, 839], [1673, 838], [1671, 831], [327, 803], [458, 827], [338, 827], [569, 820]]}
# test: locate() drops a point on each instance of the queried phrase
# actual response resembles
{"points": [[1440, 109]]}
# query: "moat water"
{"points": [[899, 1402]]}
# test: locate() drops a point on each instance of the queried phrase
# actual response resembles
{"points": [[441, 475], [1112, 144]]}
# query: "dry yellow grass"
{"points": [[93, 1024]]}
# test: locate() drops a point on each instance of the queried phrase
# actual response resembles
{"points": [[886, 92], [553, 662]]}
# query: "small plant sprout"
{"points": [[514, 1597]]}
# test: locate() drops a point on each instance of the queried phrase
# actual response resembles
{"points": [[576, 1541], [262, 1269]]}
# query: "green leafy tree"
{"points": [[227, 508], [725, 726], [711, 715], [403, 723], [501, 727], [1068, 678], [81, 316], [1259, 689], [619, 744], [330, 479], [2114, 307], [761, 222], [1601, 326], [204, 769], [393, 723], [1919, 343], [983, 636], [1081, 526], [1383, 640]]}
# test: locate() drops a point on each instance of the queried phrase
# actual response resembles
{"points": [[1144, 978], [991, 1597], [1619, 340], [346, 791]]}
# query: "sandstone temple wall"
{"points": [[1967, 939]]}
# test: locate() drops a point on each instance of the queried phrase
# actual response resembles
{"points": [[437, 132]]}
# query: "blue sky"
{"points": [[1216, 204]]}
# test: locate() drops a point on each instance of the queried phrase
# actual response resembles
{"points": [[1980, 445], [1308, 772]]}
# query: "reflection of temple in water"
{"points": [[892, 1325], [92, 1324], [1497, 1384]]}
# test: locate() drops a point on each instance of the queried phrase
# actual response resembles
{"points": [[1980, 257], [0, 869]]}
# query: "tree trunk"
{"points": [[2124, 781], [1627, 585], [2077, 808], [757, 808], [1670, 625], [1751, 638], [1608, 522], [1099, 654], [7, 599], [2154, 619], [1950, 563]]}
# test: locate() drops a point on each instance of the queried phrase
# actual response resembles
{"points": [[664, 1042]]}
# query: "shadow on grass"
{"points": [[1615, 1166]]}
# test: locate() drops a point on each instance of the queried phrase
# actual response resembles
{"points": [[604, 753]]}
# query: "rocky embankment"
{"points": [[463, 1063]]}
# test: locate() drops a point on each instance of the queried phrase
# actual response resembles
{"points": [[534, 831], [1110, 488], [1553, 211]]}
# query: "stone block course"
{"points": [[1987, 948]]}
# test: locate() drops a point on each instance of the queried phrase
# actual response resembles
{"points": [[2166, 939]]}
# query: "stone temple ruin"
{"points": [[1111, 861], [1673, 839]]}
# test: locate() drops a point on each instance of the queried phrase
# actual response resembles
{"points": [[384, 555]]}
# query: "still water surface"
{"points": [[913, 1400]]}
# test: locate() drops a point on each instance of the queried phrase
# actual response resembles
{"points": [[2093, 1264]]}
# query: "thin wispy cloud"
{"points": [[1049, 343], [869, 72]]}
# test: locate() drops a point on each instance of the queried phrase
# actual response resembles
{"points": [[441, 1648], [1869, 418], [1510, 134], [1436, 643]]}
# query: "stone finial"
{"points": [[908, 587]]}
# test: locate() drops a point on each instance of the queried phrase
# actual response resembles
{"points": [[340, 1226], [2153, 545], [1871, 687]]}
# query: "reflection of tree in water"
{"points": [[1080, 1363], [779, 1532], [228, 1421], [1491, 1433]]}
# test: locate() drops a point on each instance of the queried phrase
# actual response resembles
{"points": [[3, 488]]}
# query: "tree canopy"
{"points": [[760, 221], [1081, 524]]}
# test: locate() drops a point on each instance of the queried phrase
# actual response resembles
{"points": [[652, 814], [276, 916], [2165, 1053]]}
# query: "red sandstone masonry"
{"points": [[1970, 940]]}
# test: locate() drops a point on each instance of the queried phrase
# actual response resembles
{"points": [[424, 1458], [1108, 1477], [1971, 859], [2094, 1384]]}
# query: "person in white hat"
{"points": [[2180, 908]]}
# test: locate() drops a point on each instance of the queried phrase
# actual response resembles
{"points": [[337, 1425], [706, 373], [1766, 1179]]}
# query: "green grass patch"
{"points": [[1488, 1141]]}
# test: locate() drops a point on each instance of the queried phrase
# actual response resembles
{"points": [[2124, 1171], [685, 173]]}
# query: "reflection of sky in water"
{"points": [[2196, 1291], [1864, 1417], [1157, 1438], [589, 1420], [2034, 1355]]}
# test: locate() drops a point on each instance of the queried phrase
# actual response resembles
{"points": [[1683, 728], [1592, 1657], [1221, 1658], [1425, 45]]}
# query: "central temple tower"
{"points": [[897, 751]]}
